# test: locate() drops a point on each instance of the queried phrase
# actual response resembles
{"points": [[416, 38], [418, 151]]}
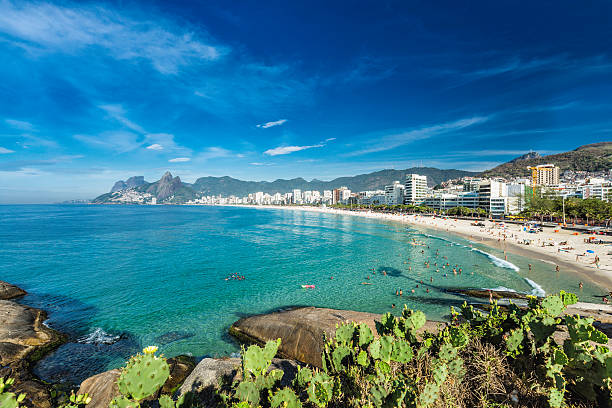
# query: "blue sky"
{"points": [[93, 92]]}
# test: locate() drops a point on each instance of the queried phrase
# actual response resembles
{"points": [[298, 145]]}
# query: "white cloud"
{"points": [[118, 113], [39, 27], [119, 141], [272, 124], [19, 124], [4, 150], [155, 146], [394, 140], [179, 160], [277, 151]]}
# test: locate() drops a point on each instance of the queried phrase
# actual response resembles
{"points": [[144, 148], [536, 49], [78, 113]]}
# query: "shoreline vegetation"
{"points": [[557, 247]]}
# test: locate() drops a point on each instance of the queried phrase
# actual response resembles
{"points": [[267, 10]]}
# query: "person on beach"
{"points": [[529, 267], [400, 293], [490, 296], [393, 306], [580, 285], [557, 268]]}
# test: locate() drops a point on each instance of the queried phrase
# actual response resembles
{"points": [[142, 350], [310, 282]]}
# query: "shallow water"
{"points": [[117, 278]]}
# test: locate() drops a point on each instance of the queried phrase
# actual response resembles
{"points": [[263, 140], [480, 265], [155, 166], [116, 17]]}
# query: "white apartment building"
{"points": [[297, 196], [415, 189], [394, 193]]}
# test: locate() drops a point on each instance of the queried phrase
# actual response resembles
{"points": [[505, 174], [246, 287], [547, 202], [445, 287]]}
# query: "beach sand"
{"points": [[545, 246]]}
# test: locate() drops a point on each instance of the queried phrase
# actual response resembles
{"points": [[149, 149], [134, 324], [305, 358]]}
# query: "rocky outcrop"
{"points": [[22, 334], [302, 330], [132, 182], [102, 388], [165, 187], [24, 340], [204, 380], [8, 291]]}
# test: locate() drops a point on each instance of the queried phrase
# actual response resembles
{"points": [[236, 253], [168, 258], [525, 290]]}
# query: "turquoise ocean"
{"points": [[118, 278]]}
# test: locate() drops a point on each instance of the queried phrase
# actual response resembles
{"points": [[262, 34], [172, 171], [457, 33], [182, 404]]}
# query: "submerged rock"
{"points": [[173, 336], [302, 330], [8, 291]]}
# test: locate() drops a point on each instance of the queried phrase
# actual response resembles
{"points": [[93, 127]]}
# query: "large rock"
{"points": [[302, 330], [102, 388], [24, 340], [22, 334], [8, 291], [206, 377]]}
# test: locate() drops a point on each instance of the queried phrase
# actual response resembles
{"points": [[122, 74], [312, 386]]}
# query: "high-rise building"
{"points": [[415, 189], [340, 194], [394, 193], [544, 175], [297, 196]]}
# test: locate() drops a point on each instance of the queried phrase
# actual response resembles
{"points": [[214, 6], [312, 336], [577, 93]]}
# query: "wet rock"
{"points": [[180, 368], [302, 330], [8, 291]]}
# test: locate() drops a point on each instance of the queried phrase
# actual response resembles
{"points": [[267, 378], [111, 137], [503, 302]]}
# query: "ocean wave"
{"points": [[497, 261], [98, 336], [500, 289], [537, 289]]}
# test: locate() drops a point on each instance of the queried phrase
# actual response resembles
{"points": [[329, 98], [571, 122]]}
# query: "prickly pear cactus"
{"points": [[553, 305], [255, 360], [401, 351], [285, 398], [248, 392], [123, 402], [365, 335], [143, 375], [9, 399], [344, 333], [429, 394], [514, 340]]}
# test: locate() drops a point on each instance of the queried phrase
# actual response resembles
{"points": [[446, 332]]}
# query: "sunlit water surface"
{"points": [[117, 278]]}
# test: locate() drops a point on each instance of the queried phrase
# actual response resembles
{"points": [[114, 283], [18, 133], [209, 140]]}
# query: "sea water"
{"points": [[118, 278]]}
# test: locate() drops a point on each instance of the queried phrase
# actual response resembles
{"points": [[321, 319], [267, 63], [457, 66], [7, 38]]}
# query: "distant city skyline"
{"points": [[95, 92]]}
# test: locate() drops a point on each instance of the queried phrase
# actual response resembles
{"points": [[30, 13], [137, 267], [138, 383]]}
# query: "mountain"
{"points": [[526, 156], [172, 190], [169, 187], [591, 157], [371, 181], [132, 182]]}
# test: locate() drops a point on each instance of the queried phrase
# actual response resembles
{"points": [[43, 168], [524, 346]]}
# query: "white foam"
{"points": [[98, 336], [500, 289], [498, 262], [537, 289]]}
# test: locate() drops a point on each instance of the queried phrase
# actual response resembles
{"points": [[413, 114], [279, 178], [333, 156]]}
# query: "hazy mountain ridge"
{"points": [[173, 188], [591, 157]]}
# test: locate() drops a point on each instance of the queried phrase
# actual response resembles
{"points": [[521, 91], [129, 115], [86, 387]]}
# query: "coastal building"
{"points": [[340, 194], [544, 175], [415, 189], [394, 193], [297, 196]]}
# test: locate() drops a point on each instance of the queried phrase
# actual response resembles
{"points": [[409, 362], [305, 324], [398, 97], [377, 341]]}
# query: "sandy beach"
{"points": [[555, 246]]}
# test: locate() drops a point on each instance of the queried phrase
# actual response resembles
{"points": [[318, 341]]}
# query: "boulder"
{"points": [[207, 376], [102, 388], [302, 330], [8, 291]]}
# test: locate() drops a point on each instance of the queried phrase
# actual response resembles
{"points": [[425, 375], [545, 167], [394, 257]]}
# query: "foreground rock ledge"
{"points": [[23, 341], [302, 330]]}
